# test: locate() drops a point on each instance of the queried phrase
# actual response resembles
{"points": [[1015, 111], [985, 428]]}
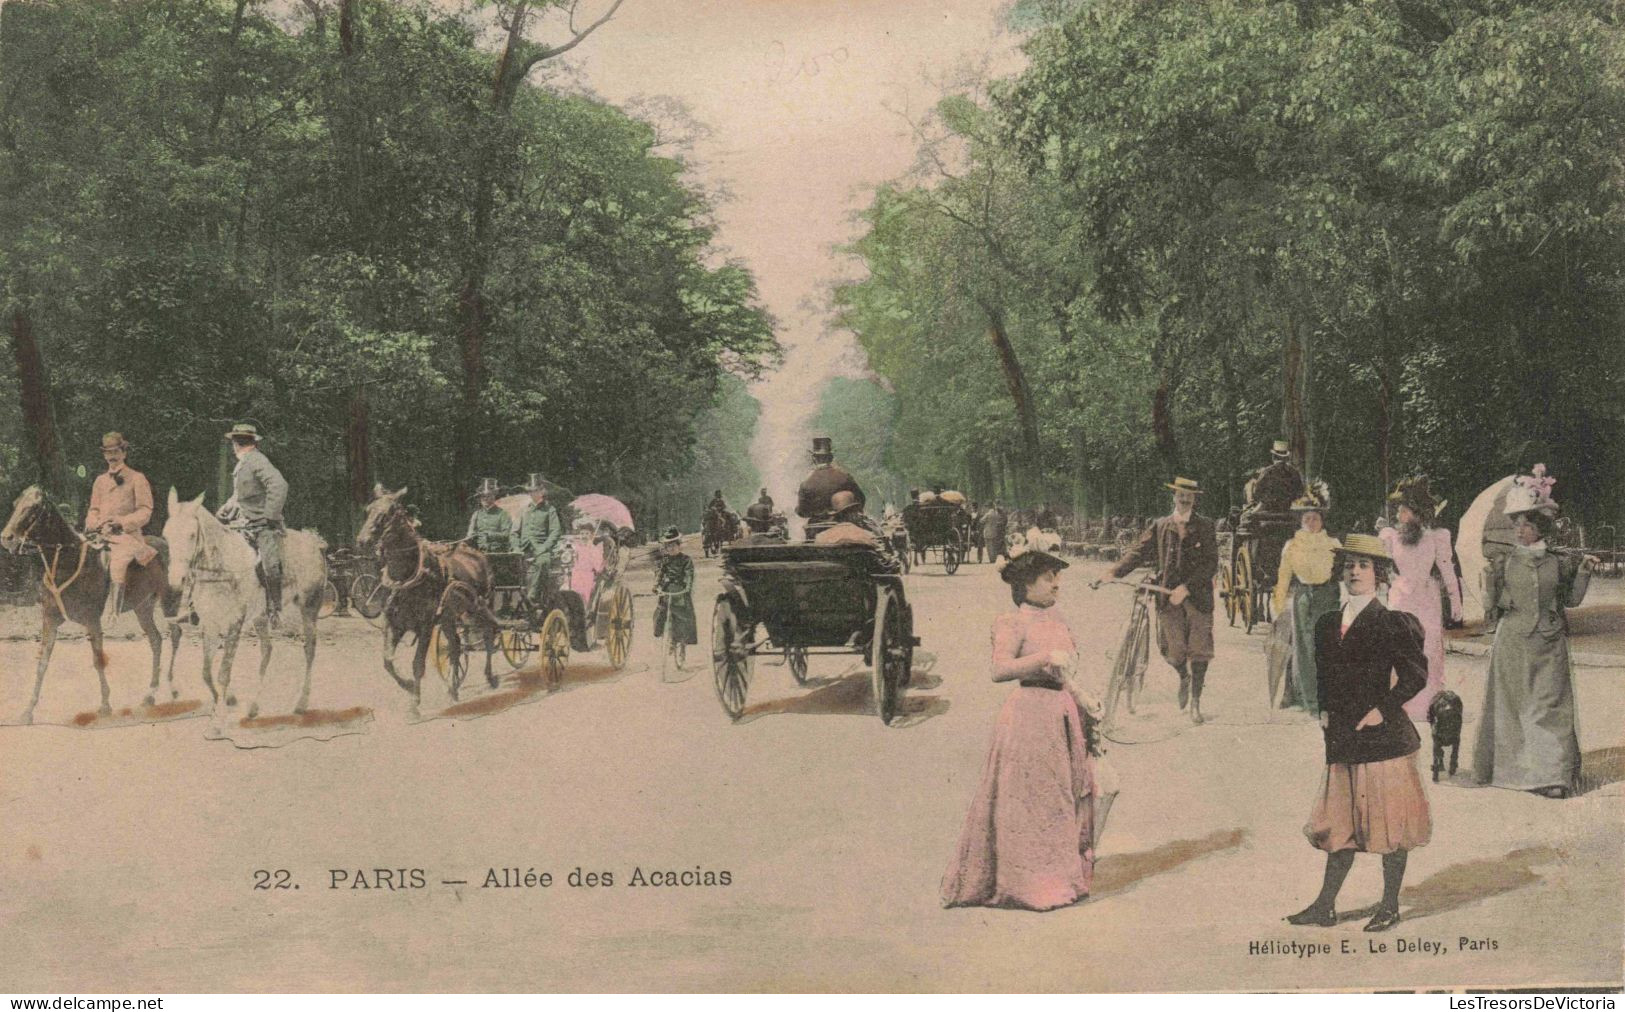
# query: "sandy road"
{"points": [[128, 856]]}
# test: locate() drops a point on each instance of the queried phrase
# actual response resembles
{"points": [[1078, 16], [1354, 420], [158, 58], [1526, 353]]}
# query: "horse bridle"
{"points": [[398, 515], [49, 567]]}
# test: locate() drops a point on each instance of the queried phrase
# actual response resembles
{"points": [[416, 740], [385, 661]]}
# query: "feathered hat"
{"points": [[1024, 563], [1318, 499], [1532, 493], [1414, 492]]}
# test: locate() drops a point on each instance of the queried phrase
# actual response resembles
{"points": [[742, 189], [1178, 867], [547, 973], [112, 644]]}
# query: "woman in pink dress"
{"points": [[589, 559], [1422, 556], [1028, 838]]}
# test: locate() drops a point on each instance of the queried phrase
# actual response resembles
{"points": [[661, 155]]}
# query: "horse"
{"points": [[73, 588], [429, 585], [215, 567]]}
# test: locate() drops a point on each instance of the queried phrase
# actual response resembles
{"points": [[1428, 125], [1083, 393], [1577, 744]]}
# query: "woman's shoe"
{"points": [[1314, 914], [1383, 919]]}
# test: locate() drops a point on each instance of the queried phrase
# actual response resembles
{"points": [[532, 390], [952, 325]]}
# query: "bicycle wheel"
{"points": [[368, 596], [330, 600], [1122, 677], [1134, 683]]}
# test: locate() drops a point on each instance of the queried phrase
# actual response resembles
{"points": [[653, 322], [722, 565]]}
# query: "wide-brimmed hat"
{"points": [[1280, 449], [1024, 563], [1414, 492], [1365, 545], [1531, 493], [244, 430], [115, 441], [1316, 499], [488, 487], [534, 482], [672, 536], [1183, 485]]}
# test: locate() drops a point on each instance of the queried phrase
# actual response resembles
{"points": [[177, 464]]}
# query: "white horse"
{"points": [[214, 567]]}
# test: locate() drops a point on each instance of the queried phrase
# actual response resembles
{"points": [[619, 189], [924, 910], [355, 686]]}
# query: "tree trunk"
{"points": [[357, 450], [1295, 393], [1385, 427], [36, 402], [1015, 380], [1232, 425]]}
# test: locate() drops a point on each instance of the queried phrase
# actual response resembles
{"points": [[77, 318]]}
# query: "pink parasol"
{"points": [[604, 507]]}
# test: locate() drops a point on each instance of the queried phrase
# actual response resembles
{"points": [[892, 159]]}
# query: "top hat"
{"points": [[244, 430], [488, 487], [1364, 545], [115, 441], [1280, 449], [823, 446], [672, 536], [1531, 493], [534, 482], [1184, 485]]}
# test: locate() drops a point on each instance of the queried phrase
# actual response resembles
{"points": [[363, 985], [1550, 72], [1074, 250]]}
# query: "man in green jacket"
{"points": [[540, 534], [258, 494], [489, 529]]}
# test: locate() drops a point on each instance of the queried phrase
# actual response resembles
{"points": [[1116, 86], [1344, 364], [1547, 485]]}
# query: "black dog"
{"points": [[1444, 713]]}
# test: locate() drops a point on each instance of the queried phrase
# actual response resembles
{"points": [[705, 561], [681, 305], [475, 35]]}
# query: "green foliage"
{"points": [[206, 224]]}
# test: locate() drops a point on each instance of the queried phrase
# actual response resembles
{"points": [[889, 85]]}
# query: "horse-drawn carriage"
{"points": [[798, 600], [941, 527], [1248, 570]]}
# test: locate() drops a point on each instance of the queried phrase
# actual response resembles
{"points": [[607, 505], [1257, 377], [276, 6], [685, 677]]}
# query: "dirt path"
{"points": [[129, 854]]}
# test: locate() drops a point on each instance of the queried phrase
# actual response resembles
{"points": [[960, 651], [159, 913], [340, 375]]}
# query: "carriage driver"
{"points": [[540, 533], [1183, 547], [258, 493], [120, 506], [814, 498], [489, 529]]}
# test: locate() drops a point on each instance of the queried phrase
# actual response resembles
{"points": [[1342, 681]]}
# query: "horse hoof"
{"points": [[174, 694], [231, 700], [253, 711], [300, 709], [27, 717], [104, 710], [492, 681], [147, 700]]}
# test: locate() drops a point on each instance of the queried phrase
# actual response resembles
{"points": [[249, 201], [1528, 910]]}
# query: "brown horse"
{"points": [[74, 586], [430, 585]]}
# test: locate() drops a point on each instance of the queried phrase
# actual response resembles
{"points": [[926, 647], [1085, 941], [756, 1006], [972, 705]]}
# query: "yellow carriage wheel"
{"points": [[555, 648], [517, 646], [618, 635], [1243, 584]]}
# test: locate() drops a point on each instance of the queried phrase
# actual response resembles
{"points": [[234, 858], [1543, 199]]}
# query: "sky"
{"points": [[802, 98]]}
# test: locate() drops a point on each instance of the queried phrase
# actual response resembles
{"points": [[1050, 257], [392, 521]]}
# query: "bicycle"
{"points": [[1133, 653], [675, 652]]}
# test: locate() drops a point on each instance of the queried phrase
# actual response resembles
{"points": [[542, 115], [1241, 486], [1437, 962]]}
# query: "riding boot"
{"points": [[1198, 677], [1184, 684], [1323, 912], [273, 601], [115, 603]]}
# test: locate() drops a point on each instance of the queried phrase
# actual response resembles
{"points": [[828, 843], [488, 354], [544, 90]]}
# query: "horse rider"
{"points": [[765, 499], [490, 529], [759, 514], [717, 504], [120, 507], [258, 494], [1183, 547], [540, 534], [813, 498]]}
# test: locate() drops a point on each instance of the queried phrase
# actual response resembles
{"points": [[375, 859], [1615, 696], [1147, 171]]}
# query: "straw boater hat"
{"points": [[244, 430], [1365, 545], [115, 441], [1414, 492], [1280, 449], [1531, 493], [1183, 485], [1024, 563]]}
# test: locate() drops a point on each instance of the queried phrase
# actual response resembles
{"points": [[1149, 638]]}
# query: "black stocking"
{"points": [[1338, 863], [1393, 875]]}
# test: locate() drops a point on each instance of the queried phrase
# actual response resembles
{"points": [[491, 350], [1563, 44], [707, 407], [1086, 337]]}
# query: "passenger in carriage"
{"points": [[589, 558]]}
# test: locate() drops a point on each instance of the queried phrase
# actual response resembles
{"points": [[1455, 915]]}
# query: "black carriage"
{"points": [[562, 621], [797, 600], [1247, 577], [940, 527]]}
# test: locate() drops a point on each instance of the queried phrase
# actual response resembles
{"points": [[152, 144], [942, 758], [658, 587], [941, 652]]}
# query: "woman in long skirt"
{"points": [[1307, 580], [1028, 839], [1424, 564], [1369, 661], [674, 583], [1527, 739]]}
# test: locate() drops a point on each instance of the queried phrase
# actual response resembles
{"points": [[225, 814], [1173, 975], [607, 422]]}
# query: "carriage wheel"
{"points": [[950, 557], [890, 655], [796, 657], [517, 646], [555, 647], [1243, 577], [618, 637], [730, 660], [368, 596], [1227, 590], [330, 600]]}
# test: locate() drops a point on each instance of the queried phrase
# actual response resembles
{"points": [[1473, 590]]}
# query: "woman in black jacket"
{"points": [[1370, 660]]}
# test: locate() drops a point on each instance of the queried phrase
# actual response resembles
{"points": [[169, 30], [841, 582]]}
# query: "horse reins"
{"points": [[49, 569], [422, 570]]}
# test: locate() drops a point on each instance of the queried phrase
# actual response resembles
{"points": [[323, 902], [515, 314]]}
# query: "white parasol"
{"points": [[1484, 524]]}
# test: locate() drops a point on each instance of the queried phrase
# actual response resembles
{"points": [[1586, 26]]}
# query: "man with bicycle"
{"points": [[1183, 547]]}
